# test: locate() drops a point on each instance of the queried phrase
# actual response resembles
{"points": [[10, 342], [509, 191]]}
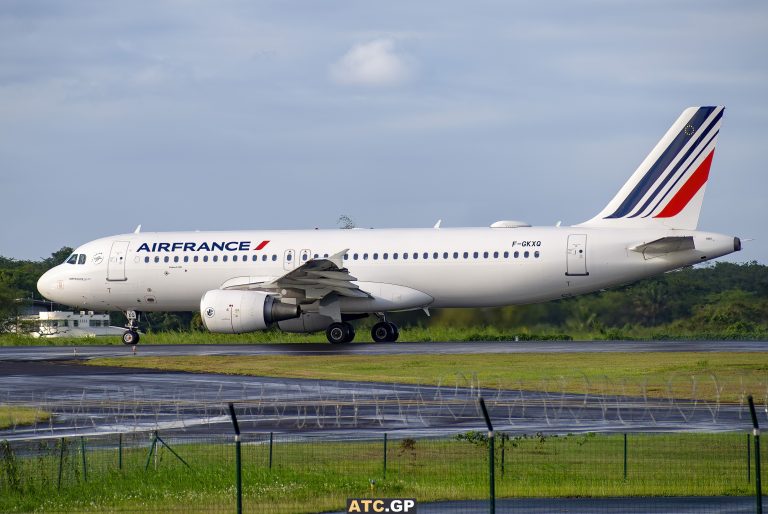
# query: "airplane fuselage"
{"points": [[462, 267]]}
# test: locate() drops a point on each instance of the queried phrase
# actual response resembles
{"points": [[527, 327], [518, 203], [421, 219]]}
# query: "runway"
{"points": [[52, 353], [86, 400]]}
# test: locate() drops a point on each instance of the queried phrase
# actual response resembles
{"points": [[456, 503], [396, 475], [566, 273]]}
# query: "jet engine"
{"points": [[235, 312]]}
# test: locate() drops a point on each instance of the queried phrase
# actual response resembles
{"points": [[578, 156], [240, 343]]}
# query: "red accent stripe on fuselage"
{"points": [[262, 245]]}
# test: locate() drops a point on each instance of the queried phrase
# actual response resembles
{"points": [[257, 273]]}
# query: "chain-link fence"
{"points": [[156, 472]]}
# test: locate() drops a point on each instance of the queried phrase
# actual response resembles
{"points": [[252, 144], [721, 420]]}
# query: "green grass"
{"points": [[14, 415], [316, 476], [711, 376]]}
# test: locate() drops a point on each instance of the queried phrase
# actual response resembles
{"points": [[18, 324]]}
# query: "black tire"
{"points": [[350, 333], [395, 332], [337, 333], [130, 337], [383, 332]]}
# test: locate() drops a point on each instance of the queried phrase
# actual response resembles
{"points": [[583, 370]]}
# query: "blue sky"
{"points": [[187, 115]]}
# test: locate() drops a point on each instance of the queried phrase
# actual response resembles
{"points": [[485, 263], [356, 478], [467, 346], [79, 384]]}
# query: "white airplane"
{"points": [[312, 280]]}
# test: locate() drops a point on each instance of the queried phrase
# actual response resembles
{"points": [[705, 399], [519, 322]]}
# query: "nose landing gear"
{"points": [[131, 335]]}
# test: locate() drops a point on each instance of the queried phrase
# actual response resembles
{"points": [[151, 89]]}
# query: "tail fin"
{"points": [[667, 189]]}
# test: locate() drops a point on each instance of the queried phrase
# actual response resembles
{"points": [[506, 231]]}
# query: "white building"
{"points": [[71, 324]]}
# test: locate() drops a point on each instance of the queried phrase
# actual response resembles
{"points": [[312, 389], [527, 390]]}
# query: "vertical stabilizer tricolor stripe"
{"points": [[667, 163], [689, 189]]}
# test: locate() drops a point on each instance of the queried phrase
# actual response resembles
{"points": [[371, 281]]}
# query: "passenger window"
{"points": [[474, 255], [455, 255], [365, 256], [289, 257], [205, 258], [485, 255], [224, 258], [536, 254], [146, 259], [434, 255], [245, 258], [166, 259], [215, 258], [195, 258], [73, 259], [526, 254], [405, 255], [445, 255], [495, 255], [274, 257], [157, 258], [385, 256], [81, 259], [234, 258], [254, 257], [304, 257], [415, 255], [426, 255], [346, 256], [325, 256], [375, 256], [175, 258], [394, 255], [317, 255], [506, 255], [264, 257], [517, 254], [186, 258], [354, 256]]}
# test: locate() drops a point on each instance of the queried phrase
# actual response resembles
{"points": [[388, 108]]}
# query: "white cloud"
{"points": [[375, 63]]}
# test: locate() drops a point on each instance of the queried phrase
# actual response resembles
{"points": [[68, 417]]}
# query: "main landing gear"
{"points": [[385, 332], [340, 332], [131, 335], [344, 332]]}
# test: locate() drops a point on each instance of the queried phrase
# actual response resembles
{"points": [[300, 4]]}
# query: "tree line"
{"points": [[720, 300]]}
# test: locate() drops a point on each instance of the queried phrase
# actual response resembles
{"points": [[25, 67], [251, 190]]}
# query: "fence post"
{"points": [[503, 437], [625, 457], [238, 462], [120, 451], [82, 452], [61, 462], [749, 460], [271, 438], [756, 433], [385, 455], [491, 463]]}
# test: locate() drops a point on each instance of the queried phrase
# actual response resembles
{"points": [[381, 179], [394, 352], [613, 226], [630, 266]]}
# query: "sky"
{"points": [[192, 115]]}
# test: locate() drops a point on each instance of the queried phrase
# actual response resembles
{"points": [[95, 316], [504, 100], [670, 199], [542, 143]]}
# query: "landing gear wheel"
{"points": [[130, 337], [340, 333], [384, 332]]}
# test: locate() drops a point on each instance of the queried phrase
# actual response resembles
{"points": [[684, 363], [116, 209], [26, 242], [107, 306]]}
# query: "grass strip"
{"points": [[14, 415], [719, 376], [318, 476]]}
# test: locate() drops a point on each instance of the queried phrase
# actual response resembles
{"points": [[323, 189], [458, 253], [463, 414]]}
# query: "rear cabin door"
{"points": [[576, 259], [116, 264]]}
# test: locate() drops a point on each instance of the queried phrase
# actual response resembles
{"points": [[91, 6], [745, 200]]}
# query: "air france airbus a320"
{"points": [[313, 280]]}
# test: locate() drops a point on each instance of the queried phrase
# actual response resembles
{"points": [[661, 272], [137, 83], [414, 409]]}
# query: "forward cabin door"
{"points": [[116, 264], [576, 259]]}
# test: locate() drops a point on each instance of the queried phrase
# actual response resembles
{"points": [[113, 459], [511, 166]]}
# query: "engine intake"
{"points": [[235, 312]]}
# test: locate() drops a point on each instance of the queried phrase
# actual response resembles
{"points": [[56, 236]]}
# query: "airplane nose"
{"points": [[45, 285]]}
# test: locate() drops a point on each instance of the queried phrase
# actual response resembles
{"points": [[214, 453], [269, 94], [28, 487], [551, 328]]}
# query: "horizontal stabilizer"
{"points": [[665, 245]]}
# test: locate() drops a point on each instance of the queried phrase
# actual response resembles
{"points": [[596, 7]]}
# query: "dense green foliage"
{"points": [[723, 300]]}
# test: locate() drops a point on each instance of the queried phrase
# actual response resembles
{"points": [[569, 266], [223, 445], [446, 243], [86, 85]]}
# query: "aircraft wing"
{"points": [[316, 279]]}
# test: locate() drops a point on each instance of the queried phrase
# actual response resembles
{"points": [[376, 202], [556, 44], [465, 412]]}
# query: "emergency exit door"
{"points": [[576, 258]]}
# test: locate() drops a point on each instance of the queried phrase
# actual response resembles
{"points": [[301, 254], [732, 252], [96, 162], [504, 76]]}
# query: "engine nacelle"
{"points": [[307, 322], [235, 312]]}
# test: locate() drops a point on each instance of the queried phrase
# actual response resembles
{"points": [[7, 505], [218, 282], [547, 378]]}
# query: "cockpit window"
{"points": [[72, 259], [81, 259]]}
